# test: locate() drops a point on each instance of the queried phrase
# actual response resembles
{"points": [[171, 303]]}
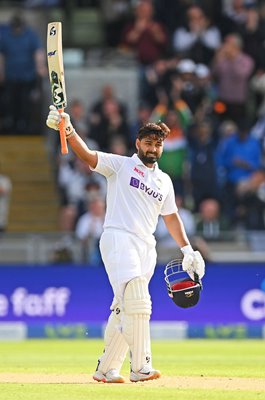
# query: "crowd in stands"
{"points": [[201, 71]]}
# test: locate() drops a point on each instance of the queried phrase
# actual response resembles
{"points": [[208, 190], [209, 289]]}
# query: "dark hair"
{"points": [[160, 129]]}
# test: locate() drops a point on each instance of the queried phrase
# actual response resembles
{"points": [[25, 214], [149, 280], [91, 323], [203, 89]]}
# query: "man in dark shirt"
{"points": [[22, 60]]}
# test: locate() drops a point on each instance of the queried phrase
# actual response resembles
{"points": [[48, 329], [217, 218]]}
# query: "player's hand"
{"points": [[193, 262], [54, 117]]}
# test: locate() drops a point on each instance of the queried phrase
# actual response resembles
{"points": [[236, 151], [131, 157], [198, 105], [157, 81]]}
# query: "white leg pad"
{"points": [[135, 324], [115, 345]]}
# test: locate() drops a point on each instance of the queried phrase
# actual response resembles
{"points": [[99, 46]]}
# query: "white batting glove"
{"points": [[54, 117], [192, 262]]}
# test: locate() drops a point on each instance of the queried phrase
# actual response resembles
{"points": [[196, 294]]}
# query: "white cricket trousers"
{"points": [[125, 257]]}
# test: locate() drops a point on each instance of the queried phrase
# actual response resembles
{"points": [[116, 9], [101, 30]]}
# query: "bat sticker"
{"points": [[53, 31], [57, 90], [51, 53]]}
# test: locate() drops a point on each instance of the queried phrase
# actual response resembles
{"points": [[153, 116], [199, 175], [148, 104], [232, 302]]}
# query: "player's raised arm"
{"points": [[79, 147]]}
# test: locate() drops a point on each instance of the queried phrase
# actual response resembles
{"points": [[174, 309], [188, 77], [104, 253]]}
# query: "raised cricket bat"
{"points": [[56, 74]]}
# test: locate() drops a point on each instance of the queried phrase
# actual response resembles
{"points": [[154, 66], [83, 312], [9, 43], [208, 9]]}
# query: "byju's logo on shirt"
{"points": [[136, 183]]}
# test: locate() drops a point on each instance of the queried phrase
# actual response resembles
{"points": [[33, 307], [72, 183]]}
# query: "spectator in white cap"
{"points": [[190, 92]]}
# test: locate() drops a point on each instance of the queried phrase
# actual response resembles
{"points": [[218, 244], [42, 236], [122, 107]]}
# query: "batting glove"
{"points": [[192, 262], [54, 117]]}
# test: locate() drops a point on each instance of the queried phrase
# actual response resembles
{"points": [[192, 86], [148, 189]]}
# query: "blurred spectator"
{"points": [[89, 228], [157, 77], [258, 131], [112, 123], [5, 195], [257, 85], [176, 99], [66, 166], [174, 154], [173, 12], [234, 16], [78, 116], [207, 93], [22, 62], [187, 217], [253, 36], [97, 109], [191, 93], [73, 182], [226, 129], [232, 70], [240, 157], [144, 111], [116, 14], [118, 145], [144, 36], [170, 97], [203, 167], [108, 117], [93, 188], [198, 38], [261, 8], [251, 194], [211, 225]]}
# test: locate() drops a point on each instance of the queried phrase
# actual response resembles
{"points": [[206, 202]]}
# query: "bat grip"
{"points": [[64, 148]]}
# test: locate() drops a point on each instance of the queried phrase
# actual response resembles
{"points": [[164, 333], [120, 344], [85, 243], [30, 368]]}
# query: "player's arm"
{"points": [[192, 260], [176, 229], [79, 147]]}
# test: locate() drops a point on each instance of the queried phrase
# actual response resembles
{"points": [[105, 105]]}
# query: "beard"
{"points": [[147, 159]]}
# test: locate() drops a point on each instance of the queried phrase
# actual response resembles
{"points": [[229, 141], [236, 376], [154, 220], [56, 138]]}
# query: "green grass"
{"points": [[194, 358], [105, 392]]}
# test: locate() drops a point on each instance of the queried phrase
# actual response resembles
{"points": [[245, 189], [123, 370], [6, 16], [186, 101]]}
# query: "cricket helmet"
{"points": [[184, 291]]}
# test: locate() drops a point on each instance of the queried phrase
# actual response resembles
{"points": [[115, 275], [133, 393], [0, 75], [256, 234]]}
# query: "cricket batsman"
{"points": [[137, 193]]}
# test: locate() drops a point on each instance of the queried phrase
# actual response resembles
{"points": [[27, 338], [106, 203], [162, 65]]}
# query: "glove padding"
{"points": [[193, 263], [54, 118]]}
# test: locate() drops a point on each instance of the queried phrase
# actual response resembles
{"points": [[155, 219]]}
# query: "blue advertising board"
{"points": [[232, 293]]}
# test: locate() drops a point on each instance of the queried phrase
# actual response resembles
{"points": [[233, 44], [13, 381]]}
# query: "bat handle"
{"points": [[64, 148]]}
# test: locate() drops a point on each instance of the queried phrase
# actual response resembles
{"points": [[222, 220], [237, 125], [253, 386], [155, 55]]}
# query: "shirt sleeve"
{"points": [[169, 206], [108, 164]]}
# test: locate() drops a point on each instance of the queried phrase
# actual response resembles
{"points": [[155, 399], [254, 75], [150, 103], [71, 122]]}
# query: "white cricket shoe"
{"points": [[145, 374], [112, 376]]}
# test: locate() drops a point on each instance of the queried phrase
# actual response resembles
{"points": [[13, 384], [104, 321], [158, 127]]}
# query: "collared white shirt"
{"points": [[136, 194]]}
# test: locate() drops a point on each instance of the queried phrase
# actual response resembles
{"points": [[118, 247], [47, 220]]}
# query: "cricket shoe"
{"points": [[145, 374], [112, 376]]}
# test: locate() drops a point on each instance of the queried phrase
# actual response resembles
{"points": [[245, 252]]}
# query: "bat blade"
{"points": [[56, 74]]}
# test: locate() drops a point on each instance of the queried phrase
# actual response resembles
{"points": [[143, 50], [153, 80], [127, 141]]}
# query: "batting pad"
{"points": [[135, 327], [115, 345]]}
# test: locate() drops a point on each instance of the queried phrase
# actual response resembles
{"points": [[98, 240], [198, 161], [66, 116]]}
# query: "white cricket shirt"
{"points": [[136, 194]]}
